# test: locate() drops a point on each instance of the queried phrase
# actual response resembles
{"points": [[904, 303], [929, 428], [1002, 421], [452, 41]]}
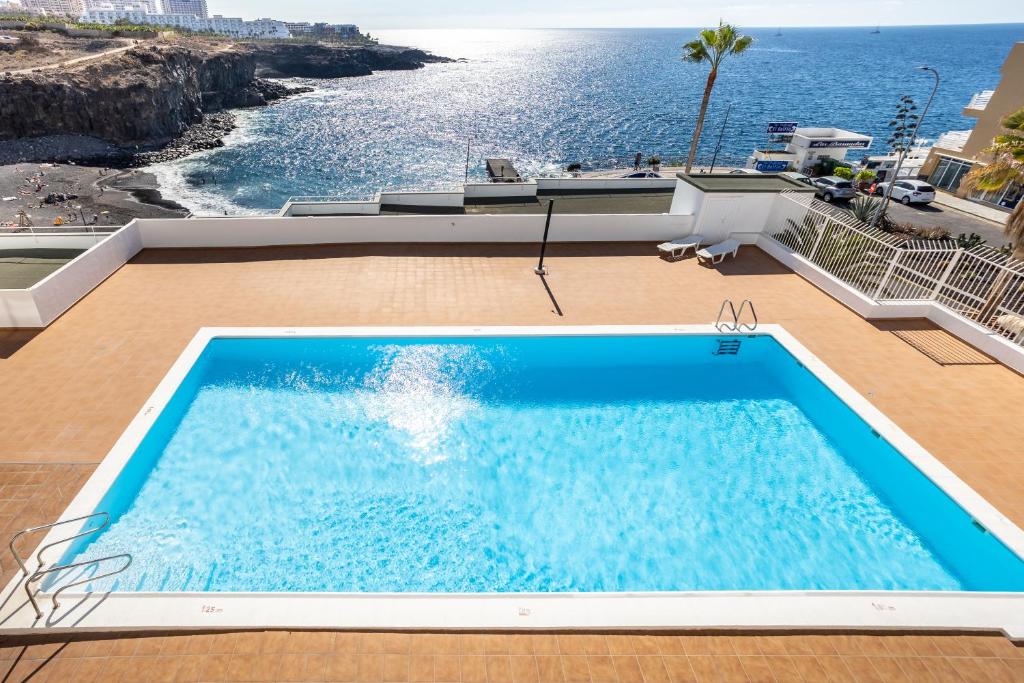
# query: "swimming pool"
{"points": [[514, 463]]}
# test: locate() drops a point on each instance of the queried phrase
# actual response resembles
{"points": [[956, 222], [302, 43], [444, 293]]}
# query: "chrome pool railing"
{"points": [[736, 314], [39, 555], [59, 568], [39, 572]]}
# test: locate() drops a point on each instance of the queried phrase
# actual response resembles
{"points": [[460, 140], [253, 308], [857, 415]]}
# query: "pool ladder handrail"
{"points": [[40, 572], [39, 555], [736, 325]]}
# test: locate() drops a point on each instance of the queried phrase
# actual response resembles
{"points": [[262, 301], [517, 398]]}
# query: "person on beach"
{"points": [[636, 161]]}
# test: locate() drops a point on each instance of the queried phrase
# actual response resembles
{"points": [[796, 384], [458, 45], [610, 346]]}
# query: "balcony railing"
{"points": [[983, 285], [980, 100]]}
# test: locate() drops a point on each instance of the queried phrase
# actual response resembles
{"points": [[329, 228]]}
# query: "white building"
{"points": [[227, 26], [70, 8], [804, 147], [196, 7], [146, 6]]}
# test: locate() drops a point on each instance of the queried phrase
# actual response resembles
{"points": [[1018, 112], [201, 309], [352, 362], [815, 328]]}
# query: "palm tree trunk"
{"points": [[700, 118]]}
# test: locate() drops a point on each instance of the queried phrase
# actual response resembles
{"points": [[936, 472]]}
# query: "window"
{"points": [[949, 172]]}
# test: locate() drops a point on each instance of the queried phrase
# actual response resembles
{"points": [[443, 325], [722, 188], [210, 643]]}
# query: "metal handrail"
{"points": [[42, 572], [732, 309], [736, 324], [39, 555], [746, 303]]}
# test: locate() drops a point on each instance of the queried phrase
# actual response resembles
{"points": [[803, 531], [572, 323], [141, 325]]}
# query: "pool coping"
{"points": [[869, 610]]}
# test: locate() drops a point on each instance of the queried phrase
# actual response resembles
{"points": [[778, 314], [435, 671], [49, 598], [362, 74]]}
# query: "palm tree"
{"points": [[711, 46], [1007, 166]]}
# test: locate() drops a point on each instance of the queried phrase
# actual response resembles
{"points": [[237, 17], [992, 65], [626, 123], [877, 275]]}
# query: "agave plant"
{"points": [[863, 208]]}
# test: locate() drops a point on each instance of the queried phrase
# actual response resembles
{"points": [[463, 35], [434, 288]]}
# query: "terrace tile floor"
{"points": [[67, 392]]}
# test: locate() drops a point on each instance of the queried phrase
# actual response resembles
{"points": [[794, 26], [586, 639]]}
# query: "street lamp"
{"points": [[903, 154]]}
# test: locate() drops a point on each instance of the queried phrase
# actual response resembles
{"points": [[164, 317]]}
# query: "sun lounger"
{"points": [[716, 253], [678, 248]]}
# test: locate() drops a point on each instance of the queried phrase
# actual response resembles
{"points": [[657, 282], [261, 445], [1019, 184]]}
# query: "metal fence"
{"points": [[981, 284]]}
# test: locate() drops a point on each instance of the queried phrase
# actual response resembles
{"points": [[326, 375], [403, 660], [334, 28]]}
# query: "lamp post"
{"points": [[903, 153], [721, 133]]}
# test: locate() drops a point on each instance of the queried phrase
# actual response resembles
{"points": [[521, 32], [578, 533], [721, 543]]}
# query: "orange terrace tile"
{"points": [[67, 393]]}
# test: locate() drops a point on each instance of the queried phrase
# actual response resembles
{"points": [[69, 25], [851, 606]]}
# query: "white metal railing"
{"points": [[981, 99], [981, 284]]}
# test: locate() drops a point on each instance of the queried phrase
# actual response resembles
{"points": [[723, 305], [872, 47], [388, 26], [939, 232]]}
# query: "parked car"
{"points": [[831, 188], [643, 174], [798, 177], [745, 170], [908, 191]]}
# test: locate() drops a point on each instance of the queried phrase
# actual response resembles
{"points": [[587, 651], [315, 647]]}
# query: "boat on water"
{"points": [[878, 29]]}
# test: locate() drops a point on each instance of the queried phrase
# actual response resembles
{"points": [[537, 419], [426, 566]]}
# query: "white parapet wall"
{"points": [[42, 303], [271, 231]]}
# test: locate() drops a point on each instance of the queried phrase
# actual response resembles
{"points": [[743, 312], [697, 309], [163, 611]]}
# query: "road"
{"points": [[936, 215], [129, 44]]}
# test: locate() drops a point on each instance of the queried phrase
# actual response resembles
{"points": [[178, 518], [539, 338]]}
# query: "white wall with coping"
{"points": [[62, 288], [604, 184], [42, 303], [314, 208], [61, 240], [721, 215], [525, 190], [274, 231], [447, 199]]}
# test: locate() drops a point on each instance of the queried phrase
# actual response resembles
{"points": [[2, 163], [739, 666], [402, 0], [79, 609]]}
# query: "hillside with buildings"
{"points": [[181, 15]]}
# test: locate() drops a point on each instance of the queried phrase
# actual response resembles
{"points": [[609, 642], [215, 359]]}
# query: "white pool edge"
{"points": [[870, 610]]}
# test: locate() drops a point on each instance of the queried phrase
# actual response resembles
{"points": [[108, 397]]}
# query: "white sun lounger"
{"points": [[716, 253], [678, 248]]}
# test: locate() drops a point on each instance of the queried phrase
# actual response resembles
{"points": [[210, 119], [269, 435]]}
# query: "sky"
{"points": [[386, 14]]}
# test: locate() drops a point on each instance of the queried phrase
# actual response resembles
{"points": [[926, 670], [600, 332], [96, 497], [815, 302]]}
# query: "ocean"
{"points": [[547, 98]]}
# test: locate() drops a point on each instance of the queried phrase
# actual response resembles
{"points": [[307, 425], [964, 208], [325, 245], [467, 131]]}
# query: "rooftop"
{"points": [[22, 268], [743, 182], [68, 391]]}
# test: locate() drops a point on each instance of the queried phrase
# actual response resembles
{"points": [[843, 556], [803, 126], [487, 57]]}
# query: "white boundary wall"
{"points": [[42, 303], [274, 231]]}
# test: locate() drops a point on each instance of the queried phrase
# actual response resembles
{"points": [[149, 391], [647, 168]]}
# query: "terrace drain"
{"points": [[727, 347]]}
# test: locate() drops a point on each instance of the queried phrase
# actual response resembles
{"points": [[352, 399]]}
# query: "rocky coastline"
{"points": [[159, 103]]}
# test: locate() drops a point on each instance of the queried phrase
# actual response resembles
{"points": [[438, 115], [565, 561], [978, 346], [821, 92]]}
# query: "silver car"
{"points": [[831, 188]]}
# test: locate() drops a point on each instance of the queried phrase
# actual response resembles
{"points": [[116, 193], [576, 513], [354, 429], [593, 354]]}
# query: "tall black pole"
{"points": [[721, 133], [544, 243]]}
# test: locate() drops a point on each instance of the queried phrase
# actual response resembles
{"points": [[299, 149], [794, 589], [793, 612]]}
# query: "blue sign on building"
{"points": [[782, 127], [774, 166]]}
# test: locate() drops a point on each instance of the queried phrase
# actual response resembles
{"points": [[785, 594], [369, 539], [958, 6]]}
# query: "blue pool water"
{"points": [[631, 463]]}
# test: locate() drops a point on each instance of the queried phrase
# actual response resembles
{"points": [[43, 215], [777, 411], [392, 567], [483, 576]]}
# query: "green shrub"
{"points": [[843, 172]]}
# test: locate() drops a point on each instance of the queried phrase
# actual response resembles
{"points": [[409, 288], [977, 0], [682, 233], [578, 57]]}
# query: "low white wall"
{"points": [[62, 288], [42, 303], [600, 184], [61, 240], [268, 231], [686, 199], [448, 199], [330, 208], [525, 190]]}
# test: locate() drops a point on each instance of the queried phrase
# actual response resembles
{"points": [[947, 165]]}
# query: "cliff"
{"points": [[147, 97]]}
